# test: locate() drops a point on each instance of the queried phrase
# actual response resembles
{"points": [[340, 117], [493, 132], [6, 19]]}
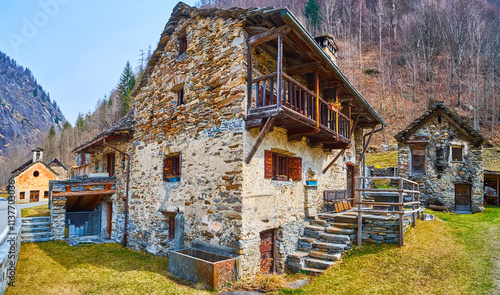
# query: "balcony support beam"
{"points": [[268, 35], [279, 74], [333, 161], [267, 127], [316, 81]]}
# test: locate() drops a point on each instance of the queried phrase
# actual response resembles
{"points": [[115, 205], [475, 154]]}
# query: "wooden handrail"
{"points": [[298, 84], [265, 77]]}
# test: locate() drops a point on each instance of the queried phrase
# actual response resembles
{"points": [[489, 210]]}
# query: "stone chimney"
{"points": [[37, 154], [327, 43]]}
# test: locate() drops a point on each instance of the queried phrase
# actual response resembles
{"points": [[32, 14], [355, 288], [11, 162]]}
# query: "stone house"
{"points": [[32, 178], [444, 154], [242, 121]]}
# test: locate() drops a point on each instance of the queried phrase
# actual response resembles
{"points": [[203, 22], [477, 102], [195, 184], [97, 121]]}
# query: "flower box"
{"points": [[174, 179], [312, 182]]}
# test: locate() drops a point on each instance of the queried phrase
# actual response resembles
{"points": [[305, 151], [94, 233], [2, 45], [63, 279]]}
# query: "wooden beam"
{"points": [[304, 68], [346, 97], [354, 125], [369, 139], [333, 161], [316, 80], [330, 84], [295, 137], [249, 78], [303, 131], [279, 74], [256, 29], [85, 193], [267, 127], [78, 202], [91, 205], [268, 35]]}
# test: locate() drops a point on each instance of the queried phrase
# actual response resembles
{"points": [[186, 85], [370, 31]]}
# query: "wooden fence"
{"points": [[405, 186]]}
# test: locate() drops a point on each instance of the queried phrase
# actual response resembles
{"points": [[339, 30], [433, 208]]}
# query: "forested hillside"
{"points": [[26, 112], [405, 54]]}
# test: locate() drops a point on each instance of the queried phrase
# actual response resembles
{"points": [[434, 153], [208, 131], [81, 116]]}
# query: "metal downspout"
{"points": [[125, 231]]}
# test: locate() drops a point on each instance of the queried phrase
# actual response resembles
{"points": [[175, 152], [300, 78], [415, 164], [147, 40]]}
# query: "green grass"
{"points": [[56, 268], [4, 196], [382, 160], [448, 256], [37, 211]]}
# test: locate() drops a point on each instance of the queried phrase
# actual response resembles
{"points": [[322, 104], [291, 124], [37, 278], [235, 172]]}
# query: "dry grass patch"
{"points": [[382, 160], [37, 211], [450, 256], [56, 268]]}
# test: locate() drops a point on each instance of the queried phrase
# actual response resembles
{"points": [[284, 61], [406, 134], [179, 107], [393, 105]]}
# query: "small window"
{"points": [[282, 167], [45, 195], [21, 195], [418, 160], [36, 173], [457, 153], [182, 44], [172, 168], [180, 97]]}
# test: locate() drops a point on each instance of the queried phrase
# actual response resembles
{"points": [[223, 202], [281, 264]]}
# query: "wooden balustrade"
{"points": [[299, 99]]}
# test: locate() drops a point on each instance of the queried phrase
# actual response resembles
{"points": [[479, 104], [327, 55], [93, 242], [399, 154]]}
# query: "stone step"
{"points": [[346, 219], [34, 240], [329, 246], [327, 216], [312, 270], [340, 231], [319, 263], [325, 256], [41, 223], [35, 219], [35, 229], [319, 222], [344, 225], [35, 235], [298, 256], [341, 239], [315, 228], [313, 231]]}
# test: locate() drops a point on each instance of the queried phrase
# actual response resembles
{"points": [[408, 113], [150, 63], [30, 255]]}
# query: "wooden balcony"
{"points": [[299, 110]]}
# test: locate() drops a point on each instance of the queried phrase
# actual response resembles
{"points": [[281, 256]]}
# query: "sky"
{"points": [[77, 49]]}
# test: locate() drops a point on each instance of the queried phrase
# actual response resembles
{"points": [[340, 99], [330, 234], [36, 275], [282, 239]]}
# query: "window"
{"points": [[180, 97], [21, 195], [457, 153], [282, 167], [172, 168], [418, 160], [36, 173], [45, 195], [182, 44]]}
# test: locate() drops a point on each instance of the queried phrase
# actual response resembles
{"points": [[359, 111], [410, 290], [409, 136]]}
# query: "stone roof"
{"points": [[56, 160], [124, 125], [491, 160], [433, 110], [266, 16]]}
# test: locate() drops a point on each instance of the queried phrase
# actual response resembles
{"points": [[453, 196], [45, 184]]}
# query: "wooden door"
{"points": [[110, 216], [111, 165], [462, 196], [267, 246], [34, 196]]}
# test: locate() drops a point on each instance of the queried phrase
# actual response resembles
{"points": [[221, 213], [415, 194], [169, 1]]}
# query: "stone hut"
{"points": [[444, 154], [32, 178]]}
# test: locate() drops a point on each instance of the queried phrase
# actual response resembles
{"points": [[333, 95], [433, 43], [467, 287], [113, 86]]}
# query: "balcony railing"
{"points": [[297, 99]]}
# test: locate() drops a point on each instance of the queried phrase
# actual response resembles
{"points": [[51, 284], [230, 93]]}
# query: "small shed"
{"points": [[492, 176]]}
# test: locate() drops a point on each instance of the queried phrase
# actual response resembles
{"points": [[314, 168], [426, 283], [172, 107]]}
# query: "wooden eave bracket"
{"points": [[268, 35], [369, 139], [267, 127], [334, 160]]}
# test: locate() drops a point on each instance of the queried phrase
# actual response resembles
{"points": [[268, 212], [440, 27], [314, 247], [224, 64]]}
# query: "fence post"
{"points": [[413, 214], [360, 217], [401, 215]]}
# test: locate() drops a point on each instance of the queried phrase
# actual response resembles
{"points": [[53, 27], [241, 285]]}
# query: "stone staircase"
{"points": [[323, 242], [35, 229]]}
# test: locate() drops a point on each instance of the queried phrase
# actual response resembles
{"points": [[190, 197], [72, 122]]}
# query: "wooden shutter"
{"points": [[295, 168], [167, 168], [268, 164]]}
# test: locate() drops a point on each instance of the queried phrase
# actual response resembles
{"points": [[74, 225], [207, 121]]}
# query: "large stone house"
{"points": [[242, 121], [444, 154], [32, 178]]}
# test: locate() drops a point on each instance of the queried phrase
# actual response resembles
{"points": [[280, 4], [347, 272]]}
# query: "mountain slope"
{"points": [[26, 110]]}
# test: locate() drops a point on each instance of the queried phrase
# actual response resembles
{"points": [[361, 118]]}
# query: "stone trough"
{"points": [[198, 266]]}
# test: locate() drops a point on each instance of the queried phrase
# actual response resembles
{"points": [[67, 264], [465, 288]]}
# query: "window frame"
{"points": [[180, 97], [182, 44], [454, 146], [45, 194], [175, 168], [22, 195], [281, 167], [413, 170]]}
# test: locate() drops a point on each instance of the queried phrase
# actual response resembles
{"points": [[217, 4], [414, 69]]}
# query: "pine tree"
{"points": [[313, 15], [125, 87]]}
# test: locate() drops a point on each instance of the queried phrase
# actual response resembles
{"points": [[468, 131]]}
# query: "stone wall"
{"points": [[383, 229], [438, 184], [206, 131]]}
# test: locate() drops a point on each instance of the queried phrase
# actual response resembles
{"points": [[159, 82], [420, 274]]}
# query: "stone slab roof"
{"points": [[56, 160], [124, 126], [436, 108], [491, 160]]}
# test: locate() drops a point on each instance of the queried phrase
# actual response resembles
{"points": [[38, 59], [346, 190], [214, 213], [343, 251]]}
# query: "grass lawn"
{"points": [[37, 211], [56, 268], [4, 196], [448, 256], [382, 160]]}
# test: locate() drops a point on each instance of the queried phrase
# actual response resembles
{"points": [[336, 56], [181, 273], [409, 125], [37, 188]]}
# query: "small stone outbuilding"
{"points": [[444, 154]]}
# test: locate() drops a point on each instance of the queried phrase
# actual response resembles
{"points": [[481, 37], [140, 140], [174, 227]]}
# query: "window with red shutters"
{"points": [[281, 167]]}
